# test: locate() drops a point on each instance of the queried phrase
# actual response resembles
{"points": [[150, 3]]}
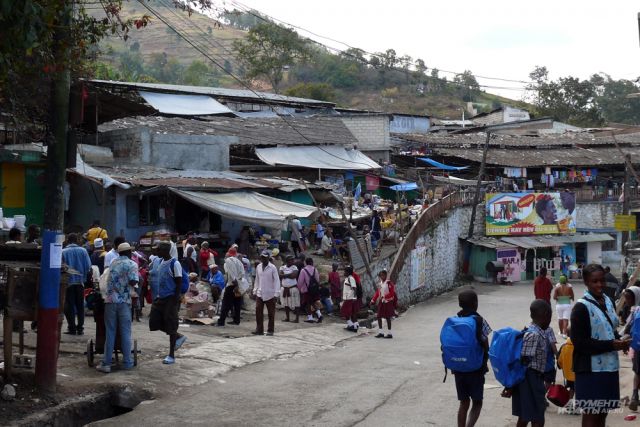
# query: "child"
{"points": [[325, 298], [631, 297], [470, 385], [552, 351], [334, 281], [565, 362], [528, 398], [350, 305], [384, 297]]}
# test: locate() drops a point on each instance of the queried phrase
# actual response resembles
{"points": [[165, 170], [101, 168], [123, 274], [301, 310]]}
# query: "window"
{"points": [[143, 212], [611, 245]]}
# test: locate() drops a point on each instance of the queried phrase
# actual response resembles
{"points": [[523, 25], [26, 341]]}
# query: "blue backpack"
{"points": [[185, 278], [635, 332], [461, 350], [504, 353]]}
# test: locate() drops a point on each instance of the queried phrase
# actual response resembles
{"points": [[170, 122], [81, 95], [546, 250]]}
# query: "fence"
{"points": [[591, 194], [428, 218]]}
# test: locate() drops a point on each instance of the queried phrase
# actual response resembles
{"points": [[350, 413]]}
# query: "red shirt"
{"points": [[542, 288], [204, 257]]}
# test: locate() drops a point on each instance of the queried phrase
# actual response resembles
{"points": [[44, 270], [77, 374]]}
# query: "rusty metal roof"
{"points": [[255, 131]]}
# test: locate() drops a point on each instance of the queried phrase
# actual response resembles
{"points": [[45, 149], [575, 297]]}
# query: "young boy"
{"points": [[528, 398], [470, 385]]}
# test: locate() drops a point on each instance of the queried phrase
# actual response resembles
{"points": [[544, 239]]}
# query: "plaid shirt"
{"points": [[534, 348]]}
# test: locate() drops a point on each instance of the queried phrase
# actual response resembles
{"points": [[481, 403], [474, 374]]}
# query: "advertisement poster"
{"points": [[510, 257], [521, 214], [418, 268]]}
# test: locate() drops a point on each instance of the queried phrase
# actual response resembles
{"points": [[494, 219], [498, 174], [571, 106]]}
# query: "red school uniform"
{"points": [[336, 286], [386, 303]]}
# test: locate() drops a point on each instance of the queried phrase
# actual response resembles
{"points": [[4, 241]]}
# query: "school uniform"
{"points": [[470, 385], [528, 399], [385, 296], [349, 301]]}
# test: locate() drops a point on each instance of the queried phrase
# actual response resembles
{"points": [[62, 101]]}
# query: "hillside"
{"points": [[158, 53]]}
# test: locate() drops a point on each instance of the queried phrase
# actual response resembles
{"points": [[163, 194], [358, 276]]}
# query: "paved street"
{"points": [[302, 378]]}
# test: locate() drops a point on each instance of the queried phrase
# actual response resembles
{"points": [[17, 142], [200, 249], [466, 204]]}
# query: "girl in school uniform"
{"points": [[350, 306], [385, 297]]}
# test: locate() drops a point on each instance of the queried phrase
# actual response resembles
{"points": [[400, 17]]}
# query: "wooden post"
{"points": [[476, 199], [360, 251], [626, 194]]}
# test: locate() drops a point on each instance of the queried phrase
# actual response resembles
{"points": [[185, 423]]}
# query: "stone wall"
{"points": [[443, 260], [198, 152], [372, 132], [597, 216]]}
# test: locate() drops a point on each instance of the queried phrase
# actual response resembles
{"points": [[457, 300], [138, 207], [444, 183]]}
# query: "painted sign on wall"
{"points": [[521, 214], [510, 257]]}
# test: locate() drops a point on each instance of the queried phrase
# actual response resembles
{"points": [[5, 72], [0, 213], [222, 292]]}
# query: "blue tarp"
{"points": [[407, 186], [442, 165]]}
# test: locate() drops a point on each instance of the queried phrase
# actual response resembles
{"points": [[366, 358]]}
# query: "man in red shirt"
{"points": [[542, 286]]}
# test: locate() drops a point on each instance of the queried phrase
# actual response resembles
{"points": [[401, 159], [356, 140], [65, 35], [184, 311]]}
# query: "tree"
{"points": [[320, 91], [199, 74], [567, 99], [469, 87], [227, 66], [266, 51]]}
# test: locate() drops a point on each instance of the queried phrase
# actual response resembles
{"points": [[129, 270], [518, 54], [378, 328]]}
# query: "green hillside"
{"points": [[157, 53]]}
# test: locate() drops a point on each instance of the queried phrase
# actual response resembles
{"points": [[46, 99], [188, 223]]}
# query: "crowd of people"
{"points": [[588, 358], [118, 278]]}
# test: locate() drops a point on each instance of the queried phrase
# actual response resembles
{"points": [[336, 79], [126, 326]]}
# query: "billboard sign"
{"points": [[522, 214]]}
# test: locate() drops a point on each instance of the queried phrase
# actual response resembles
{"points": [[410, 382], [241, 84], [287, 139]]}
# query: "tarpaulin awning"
{"points": [[93, 174], [405, 187], [184, 105], [250, 207], [442, 165], [459, 181], [317, 157]]}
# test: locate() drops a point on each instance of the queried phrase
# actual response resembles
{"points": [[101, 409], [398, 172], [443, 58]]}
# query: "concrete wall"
{"points": [[139, 145], [443, 260], [597, 216], [372, 132], [409, 124]]}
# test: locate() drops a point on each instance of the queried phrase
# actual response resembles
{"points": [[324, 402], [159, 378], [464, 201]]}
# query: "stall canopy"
{"points": [[442, 165], [317, 157], [405, 187], [250, 207], [184, 105], [459, 181]]}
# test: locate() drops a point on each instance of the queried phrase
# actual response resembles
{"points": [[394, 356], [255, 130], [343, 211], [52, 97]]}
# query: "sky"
{"points": [[493, 38]]}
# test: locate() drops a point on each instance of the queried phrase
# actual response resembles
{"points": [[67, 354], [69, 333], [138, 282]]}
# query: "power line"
{"points": [[157, 15], [250, 11]]}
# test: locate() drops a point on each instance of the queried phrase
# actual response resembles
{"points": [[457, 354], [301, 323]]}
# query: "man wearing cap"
{"points": [[216, 280], [266, 288], [164, 310], [123, 275], [232, 296], [290, 293], [97, 256], [77, 258]]}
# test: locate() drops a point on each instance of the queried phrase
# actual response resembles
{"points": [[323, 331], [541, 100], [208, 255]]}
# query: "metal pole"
{"points": [[476, 199], [50, 263]]}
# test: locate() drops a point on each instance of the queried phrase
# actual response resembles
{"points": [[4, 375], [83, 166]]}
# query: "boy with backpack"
{"points": [[528, 396], [565, 362], [465, 344]]}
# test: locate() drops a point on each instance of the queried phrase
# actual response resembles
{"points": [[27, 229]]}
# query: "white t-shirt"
{"points": [[296, 228], [173, 251], [288, 282], [109, 257], [325, 244], [194, 254]]}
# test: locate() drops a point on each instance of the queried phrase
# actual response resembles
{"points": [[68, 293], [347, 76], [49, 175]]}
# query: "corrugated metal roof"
{"points": [[216, 92], [256, 131]]}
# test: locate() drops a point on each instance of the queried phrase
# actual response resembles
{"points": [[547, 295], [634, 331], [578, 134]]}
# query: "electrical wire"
{"points": [[261, 16]]}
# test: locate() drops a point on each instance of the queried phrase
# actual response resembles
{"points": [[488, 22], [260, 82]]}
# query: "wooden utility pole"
{"points": [[50, 263], [626, 193], [476, 198]]}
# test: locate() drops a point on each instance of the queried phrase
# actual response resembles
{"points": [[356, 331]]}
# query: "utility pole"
{"points": [[626, 195], [476, 198], [49, 291]]}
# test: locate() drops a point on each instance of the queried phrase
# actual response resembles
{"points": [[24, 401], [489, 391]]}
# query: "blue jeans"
{"points": [[328, 305], [117, 315]]}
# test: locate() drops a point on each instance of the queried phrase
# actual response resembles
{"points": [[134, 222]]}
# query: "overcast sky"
{"points": [[495, 38]]}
